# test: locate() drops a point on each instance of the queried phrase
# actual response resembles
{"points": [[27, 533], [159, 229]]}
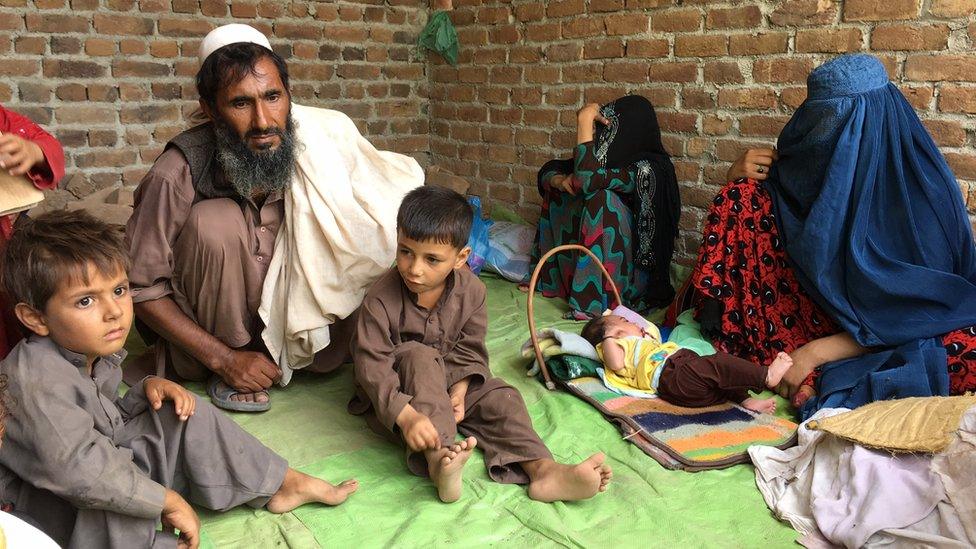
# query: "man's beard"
{"points": [[251, 171]]}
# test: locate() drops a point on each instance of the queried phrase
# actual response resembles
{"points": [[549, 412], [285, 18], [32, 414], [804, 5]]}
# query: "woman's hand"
{"points": [[585, 120], [18, 155], [562, 182], [753, 164]]}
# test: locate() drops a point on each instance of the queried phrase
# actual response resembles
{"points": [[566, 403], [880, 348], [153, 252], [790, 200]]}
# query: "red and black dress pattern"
{"points": [[743, 270]]}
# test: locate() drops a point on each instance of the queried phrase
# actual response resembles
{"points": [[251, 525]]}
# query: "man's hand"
{"points": [[753, 164], [248, 371], [158, 389], [418, 431], [178, 514], [18, 155]]}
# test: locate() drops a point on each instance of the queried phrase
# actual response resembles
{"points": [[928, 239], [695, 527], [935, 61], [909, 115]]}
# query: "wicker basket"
{"points": [[531, 310]]}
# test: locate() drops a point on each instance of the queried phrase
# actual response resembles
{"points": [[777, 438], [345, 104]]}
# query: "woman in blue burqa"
{"points": [[853, 251]]}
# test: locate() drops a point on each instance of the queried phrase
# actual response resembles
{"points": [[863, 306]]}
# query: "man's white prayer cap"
{"points": [[233, 33]]}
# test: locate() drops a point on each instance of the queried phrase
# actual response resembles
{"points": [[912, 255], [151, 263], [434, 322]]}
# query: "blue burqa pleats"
{"points": [[875, 224]]}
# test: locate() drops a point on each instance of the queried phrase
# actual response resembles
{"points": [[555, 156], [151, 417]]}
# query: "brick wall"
{"points": [[113, 79], [724, 76]]}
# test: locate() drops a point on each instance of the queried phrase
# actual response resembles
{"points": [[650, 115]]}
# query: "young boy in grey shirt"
{"points": [[93, 469]]}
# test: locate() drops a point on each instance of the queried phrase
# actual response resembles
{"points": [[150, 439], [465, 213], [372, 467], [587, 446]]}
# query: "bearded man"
{"points": [[215, 213]]}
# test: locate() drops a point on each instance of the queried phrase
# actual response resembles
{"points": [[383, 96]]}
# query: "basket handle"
{"points": [[531, 309]]}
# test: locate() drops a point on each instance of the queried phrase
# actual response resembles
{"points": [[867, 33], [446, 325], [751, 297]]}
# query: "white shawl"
{"points": [[338, 234]]}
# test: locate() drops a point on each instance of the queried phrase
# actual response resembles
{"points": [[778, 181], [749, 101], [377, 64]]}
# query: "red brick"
{"points": [[36, 45], [952, 8], [647, 48], [542, 32], [150, 6], [99, 47], [49, 4], [85, 114], [102, 92], [530, 11], [271, 9], [682, 20], [781, 70], [123, 67], [297, 31], [58, 68], [623, 71], [673, 72], [525, 54], [747, 98], [793, 13], [603, 49], [11, 21], [65, 44], [910, 37], [947, 133], [713, 124], [700, 46], [627, 24], [733, 18], [941, 67], [920, 97], [473, 74], [105, 158], [164, 48], [963, 165], [542, 75], [122, 24], [880, 10], [531, 137], [132, 47], [184, 27], [566, 96], [493, 15], [694, 98], [72, 92], [957, 99], [723, 72], [504, 34], [582, 27], [762, 126], [607, 5], [56, 23], [793, 97], [758, 44], [564, 8], [32, 92], [829, 40]]}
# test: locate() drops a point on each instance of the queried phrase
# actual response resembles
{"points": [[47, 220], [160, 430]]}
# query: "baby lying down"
{"points": [[636, 357]]}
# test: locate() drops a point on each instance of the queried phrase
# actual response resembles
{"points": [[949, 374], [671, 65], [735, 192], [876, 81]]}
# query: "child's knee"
{"points": [[413, 354]]}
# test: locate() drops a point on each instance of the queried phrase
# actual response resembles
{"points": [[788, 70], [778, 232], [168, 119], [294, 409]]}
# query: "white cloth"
{"points": [[338, 234], [20, 534], [233, 33], [836, 492]]}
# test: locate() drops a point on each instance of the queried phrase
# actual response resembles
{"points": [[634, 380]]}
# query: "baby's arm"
{"points": [[613, 355]]}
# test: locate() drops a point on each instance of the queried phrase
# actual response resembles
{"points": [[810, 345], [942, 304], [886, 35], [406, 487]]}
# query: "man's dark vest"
{"points": [[198, 147]]}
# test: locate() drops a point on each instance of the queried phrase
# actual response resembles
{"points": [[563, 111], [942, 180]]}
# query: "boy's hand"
{"points": [[418, 431], [158, 389], [457, 393], [178, 514], [18, 155]]}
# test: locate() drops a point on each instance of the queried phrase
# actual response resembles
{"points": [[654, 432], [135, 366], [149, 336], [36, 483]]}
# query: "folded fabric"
{"points": [[566, 367], [338, 235], [553, 342]]}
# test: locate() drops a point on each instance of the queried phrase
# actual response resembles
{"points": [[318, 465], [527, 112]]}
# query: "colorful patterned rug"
{"points": [[692, 439]]}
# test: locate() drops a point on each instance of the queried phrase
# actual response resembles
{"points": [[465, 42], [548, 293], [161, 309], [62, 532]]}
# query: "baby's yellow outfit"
{"points": [[644, 359]]}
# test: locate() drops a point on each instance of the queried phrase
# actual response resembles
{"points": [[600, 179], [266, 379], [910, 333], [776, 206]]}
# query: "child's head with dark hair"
{"points": [[616, 326], [66, 274], [432, 234], [435, 214]]}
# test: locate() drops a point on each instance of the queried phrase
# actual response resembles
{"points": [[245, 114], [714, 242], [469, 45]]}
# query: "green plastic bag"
{"points": [[439, 35]]}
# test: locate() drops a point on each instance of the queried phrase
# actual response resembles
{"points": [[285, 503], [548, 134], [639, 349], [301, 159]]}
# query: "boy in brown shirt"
{"points": [[421, 362], [93, 469]]}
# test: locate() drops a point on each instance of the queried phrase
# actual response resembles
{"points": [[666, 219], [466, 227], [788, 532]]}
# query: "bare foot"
{"points": [[524, 287], [260, 396], [446, 467], [553, 481], [803, 394], [761, 405], [299, 489], [777, 369]]}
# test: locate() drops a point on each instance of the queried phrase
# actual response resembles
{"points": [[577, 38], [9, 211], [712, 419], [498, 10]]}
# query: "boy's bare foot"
{"points": [[299, 489], [803, 394], [777, 369], [761, 405], [446, 466], [553, 481], [523, 287]]}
